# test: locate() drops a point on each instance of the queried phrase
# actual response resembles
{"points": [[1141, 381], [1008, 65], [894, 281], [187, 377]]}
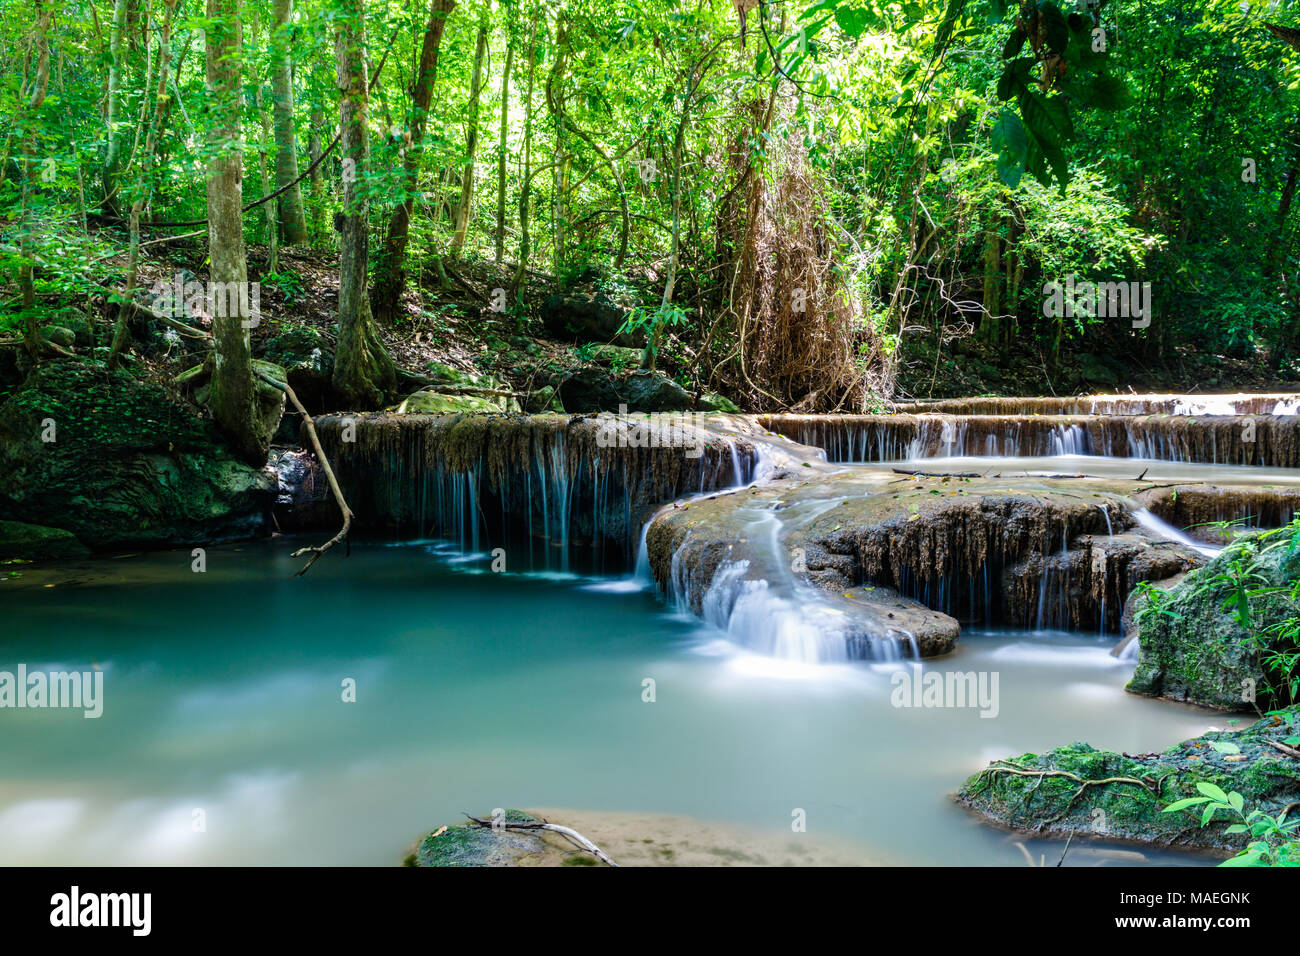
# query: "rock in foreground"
{"points": [[1087, 792]]}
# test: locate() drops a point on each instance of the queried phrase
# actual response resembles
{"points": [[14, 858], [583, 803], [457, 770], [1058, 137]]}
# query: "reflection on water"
{"points": [[225, 740]]}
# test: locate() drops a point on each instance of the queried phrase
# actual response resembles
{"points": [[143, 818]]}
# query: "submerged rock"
{"points": [[1194, 647], [1074, 789], [116, 461]]}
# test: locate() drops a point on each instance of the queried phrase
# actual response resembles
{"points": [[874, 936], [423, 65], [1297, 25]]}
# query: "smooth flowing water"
{"points": [[476, 690]]}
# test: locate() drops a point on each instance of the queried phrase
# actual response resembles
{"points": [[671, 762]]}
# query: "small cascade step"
{"points": [[1255, 440]]}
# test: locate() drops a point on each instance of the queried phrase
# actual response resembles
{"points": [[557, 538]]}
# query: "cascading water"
{"points": [[548, 489]]}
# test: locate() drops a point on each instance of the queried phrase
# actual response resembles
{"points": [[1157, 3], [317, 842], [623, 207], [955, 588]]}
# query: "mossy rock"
{"points": [[1194, 650], [116, 461], [713, 402], [545, 399], [59, 335], [468, 844], [308, 361], [34, 542], [616, 355], [1060, 792], [429, 402]]}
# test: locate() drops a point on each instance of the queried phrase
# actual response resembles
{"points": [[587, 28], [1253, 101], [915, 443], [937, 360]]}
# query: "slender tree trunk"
{"points": [[121, 334], [390, 271], [113, 110], [317, 177], [990, 322], [363, 371], [461, 225], [293, 221], [651, 357], [39, 87], [501, 149], [269, 216], [234, 399], [526, 181], [268, 209]]}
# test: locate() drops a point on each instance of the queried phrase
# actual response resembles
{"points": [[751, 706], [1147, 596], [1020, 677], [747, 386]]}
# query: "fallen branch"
{"points": [[573, 835], [315, 552], [1289, 751], [935, 474]]}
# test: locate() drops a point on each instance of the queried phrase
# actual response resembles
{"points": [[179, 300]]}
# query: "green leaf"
{"points": [[1210, 790], [1056, 30], [1015, 42], [1247, 858], [1184, 804], [1225, 747], [944, 33], [852, 20]]}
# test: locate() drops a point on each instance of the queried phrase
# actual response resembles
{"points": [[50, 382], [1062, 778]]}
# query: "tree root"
{"points": [[573, 836], [1004, 767], [315, 551]]}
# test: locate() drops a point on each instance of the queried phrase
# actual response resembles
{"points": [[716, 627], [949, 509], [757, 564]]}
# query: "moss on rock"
{"points": [[116, 461], [1078, 789], [1193, 648]]}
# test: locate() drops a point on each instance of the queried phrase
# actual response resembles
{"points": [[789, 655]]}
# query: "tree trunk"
{"points": [[501, 150], [526, 180], [363, 371], [317, 177], [990, 322], [113, 110], [293, 221], [461, 225], [651, 356], [121, 334], [234, 397], [40, 86], [390, 271]]}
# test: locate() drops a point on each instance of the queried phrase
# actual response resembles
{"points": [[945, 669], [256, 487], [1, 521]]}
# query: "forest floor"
{"points": [[457, 327]]}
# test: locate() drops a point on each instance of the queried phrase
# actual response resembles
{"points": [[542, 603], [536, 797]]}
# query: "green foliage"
{"points": [[288, 283], [1275, 840]]}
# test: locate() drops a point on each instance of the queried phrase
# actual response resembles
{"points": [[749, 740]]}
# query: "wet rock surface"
{"points": [[1025, 552], [303, 501], [1093, 793]]}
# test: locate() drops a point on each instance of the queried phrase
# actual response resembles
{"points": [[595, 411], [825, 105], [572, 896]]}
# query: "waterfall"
{"points": [[551, 492], [1167, 531]]}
